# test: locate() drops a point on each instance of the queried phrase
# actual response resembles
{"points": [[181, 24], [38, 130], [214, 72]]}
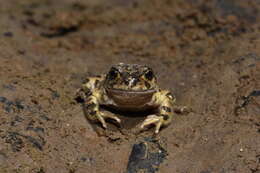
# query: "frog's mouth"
{"points": [[130, 99], [124, 91]]}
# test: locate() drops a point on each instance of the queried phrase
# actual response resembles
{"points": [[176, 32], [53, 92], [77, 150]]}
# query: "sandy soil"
{"points": [[206, 52]]}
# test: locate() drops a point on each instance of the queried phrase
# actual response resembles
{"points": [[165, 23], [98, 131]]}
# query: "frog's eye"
{"points": [[149, 75], [113, 73]]}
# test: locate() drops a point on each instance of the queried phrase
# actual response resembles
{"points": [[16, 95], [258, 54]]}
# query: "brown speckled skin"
{"points": [[128, 87]]}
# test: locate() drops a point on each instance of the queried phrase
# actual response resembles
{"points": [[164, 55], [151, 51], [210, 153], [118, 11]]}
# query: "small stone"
{"points": [[8, 34]]}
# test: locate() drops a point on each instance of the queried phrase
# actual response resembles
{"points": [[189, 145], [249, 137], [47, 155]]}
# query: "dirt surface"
{"points": [[206, 52]]}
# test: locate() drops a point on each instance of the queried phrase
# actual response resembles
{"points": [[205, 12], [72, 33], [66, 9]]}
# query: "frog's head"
{"points": [[130, 77]]}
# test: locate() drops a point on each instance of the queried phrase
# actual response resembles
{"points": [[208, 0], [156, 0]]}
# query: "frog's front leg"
{"points": [[165, 110], [93, 98]]}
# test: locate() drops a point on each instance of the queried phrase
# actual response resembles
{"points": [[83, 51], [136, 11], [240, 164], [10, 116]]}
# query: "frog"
{"points": [[127, 87]]}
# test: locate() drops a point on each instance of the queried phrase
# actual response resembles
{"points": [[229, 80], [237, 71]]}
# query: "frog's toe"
{"points": [[153, 119], [101, 117], [113, 117], [102, 120]]}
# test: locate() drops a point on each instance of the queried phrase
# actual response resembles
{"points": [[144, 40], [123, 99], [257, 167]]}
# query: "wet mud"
{"points": [[207, 53]]}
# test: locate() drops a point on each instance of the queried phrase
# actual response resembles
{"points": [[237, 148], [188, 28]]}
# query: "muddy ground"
{"points": [[206, 52]]}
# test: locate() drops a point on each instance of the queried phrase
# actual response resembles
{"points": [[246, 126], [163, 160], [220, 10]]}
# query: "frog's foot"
{"points": [[153, 119], [101, 117]]}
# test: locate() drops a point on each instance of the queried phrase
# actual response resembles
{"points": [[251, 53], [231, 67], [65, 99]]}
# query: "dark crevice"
{"points": [[61, 32]]}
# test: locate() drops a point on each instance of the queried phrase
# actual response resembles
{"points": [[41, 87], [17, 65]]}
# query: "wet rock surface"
{"points": [[146, 156], [206, 52]]}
